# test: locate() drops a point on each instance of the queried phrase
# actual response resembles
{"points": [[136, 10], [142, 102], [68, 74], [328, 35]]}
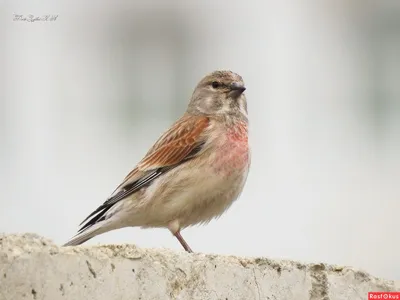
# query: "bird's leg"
{"points": [[175, 228], [183, 242]]}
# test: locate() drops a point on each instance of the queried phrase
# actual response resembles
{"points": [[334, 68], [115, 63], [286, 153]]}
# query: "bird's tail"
{"points": [[88, 233]]}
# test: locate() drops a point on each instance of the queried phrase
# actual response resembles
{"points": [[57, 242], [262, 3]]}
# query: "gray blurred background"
{"points": [[85, 96]]}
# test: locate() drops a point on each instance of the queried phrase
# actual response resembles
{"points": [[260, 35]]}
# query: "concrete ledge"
{"points": [[32, 267]]}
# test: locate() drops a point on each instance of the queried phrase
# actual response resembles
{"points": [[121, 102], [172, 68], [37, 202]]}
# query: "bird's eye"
{"points": [[215, 84]]}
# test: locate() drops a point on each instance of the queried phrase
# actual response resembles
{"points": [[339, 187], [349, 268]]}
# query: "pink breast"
{"points": [[232, 153]]}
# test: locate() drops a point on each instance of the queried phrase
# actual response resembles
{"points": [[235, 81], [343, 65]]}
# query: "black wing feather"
{"points": [[99, 214]]}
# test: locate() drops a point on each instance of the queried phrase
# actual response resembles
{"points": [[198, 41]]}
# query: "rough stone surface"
{"points": [[32, 267]]}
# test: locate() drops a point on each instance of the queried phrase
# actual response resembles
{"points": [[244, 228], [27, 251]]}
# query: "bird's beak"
{"points": [[237, 88]]}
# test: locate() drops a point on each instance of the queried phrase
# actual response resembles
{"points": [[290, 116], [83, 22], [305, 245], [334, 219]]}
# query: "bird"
{"points": [[193, 172]]}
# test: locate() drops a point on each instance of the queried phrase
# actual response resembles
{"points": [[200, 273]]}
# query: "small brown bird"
{"points": [[192, 174]]}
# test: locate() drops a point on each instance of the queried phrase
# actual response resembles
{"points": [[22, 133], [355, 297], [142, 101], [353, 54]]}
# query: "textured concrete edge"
{"points": [[15, 245]]}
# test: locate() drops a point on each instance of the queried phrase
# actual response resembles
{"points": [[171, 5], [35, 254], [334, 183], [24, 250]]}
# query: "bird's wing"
{"points": [[183, 141]]}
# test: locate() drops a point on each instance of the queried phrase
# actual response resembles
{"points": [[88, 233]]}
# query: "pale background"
{"points": [[84, 97]]}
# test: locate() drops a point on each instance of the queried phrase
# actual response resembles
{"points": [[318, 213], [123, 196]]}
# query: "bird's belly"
{"points": [[212, 198], [193, 195]]}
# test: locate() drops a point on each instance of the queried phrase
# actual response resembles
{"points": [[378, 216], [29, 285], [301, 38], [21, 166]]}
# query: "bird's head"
{"points": [[219, 94]]}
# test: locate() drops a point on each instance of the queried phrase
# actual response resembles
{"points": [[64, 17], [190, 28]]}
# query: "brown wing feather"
{"points": [[171, 148]]}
